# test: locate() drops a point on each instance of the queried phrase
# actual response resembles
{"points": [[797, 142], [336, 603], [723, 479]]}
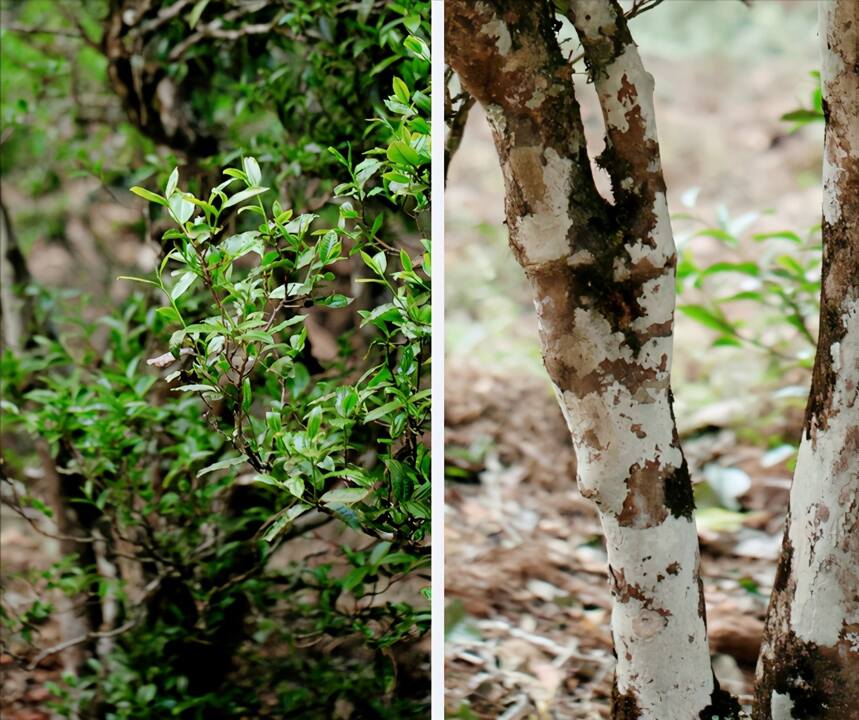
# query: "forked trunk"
{"points": [[809, 665], [602, 274]]}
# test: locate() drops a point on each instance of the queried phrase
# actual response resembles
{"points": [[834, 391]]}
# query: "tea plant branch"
{"points": [[298, 529], [138, 612], [165, 15], [18, 508], [802, 321], [456, 111], [75, 20], [33, 30], [215, 31], [381, 534], [208, 283], [641, 6]]}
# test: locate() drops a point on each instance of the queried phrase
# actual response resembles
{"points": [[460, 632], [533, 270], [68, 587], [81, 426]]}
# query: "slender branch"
{"points": [[99, 634], [75, 20], [31, 30], [216, 30], [641, 6], [456, 111], [164, 15]]}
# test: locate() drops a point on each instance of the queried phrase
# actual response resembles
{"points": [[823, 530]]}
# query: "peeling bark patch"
{"points": [[625, 307], [781, 706], [497, 29], [849, 453], [645, 498], [617, 301], [543, 178]]}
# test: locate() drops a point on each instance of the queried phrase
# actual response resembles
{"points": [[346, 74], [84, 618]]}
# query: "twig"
{"points": [[18, 508], [86, 637], [29, 30], [75, 20], [164, 15], [216, 30]]}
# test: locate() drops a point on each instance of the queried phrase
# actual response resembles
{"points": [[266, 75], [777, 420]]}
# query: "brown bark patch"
{"points": [[644, 505], [527, 165], [563, 289], [624, 590], [849, 452]]}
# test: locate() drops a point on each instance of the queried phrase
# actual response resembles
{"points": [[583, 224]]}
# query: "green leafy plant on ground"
{"points": [[781, 282], [764, 299]]}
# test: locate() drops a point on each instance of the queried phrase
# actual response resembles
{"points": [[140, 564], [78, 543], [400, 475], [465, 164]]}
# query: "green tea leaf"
{"points": [[345, 496], [147, 195], [223, 465], [185, 281], [243, 195]]}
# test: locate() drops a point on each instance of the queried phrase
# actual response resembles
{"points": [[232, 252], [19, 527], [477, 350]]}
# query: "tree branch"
{"points": [[101, 634], [456, 111]]}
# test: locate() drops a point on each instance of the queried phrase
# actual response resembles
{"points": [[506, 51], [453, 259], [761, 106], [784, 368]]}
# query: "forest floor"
{"points": [[527, 601]]}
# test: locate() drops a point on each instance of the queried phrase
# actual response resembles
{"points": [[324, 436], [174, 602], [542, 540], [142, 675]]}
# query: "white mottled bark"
{"points": [[824, 515], [602, 274], [658, 619], [809, 665]]}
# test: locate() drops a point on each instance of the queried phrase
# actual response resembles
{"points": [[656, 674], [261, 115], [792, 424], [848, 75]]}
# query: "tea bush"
{"points": [[198, 436], [144, 85]]}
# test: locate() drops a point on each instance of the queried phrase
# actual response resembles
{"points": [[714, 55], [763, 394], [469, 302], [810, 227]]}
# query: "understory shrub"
{"points": [[242, 491]]}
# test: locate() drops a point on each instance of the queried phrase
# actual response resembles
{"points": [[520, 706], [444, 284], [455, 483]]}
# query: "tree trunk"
{"points": [[809, 665], [15, 312], [602, 274]]}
